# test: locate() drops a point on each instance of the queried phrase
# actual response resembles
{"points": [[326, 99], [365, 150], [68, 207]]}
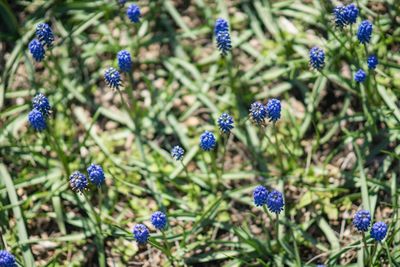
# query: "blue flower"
{"points": [[225, 123], [340, 16], [124, 61], [7, 259], [37, 50], [260, 195], [360, 76], [222, 36], [177, 152], [78, 181], [317, 58], [275, 201], [362, 220], [141, 233], [41, 103], [258, 112], [133, 13], [159, 220], [112, 78], [96, 174], [121, 2], [372, 62], [37, 120], [364, 32], [274, 109], [351, 13], [379, 231], [44, 34], [207, 141]]}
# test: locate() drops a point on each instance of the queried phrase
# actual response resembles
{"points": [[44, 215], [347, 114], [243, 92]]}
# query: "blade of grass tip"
{"points": [[329, 233], [363, 179], [22, 233], [178, 19]]}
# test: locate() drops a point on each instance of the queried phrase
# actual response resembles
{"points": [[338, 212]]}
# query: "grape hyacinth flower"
{"points": [[362, 220], [124, 61], [133, 13], [37, 50], [225, 123], [141, 233], [37, 120], [177, 152], [222, 36], [351, 14], [364, 32], [317, 58], [360, 76], [41, 103], [78, 182], [7, 259], [274, 109], [112, 78], [45, 34], [275, 202], [340, 16], [258, 112], [260, 195], [379, 231], [372, 62], [207, 141], [121, 2], [159, 220], [96, 174]]}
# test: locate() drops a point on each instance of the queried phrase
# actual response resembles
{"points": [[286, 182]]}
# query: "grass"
{"points": [[335, 149]]}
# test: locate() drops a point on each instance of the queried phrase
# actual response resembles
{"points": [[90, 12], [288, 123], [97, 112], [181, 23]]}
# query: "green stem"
{"points": [[278, 148], [365, 247], [388, 254], [60, 154], [168, 249], [223, 157]]}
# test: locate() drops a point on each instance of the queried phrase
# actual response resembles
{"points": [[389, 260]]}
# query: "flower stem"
{"points": [[168, 249], [365, 246]]}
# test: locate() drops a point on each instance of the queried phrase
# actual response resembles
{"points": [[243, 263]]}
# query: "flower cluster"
{"points": [[140, 231], [7, 259], [79, 182], [207, 141], [259, 112], [124, 61], [112, 78], [40, 112], [379, 231], [44, 38], [133, 13], [177, 152], [345, 15], [362, 222], [317, 58], [274, 199], [222, 36], [225, 123]]}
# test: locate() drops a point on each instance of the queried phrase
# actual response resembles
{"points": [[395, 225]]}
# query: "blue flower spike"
{"points": [[177, 153], [207, 141], [360, 76], [275, 202], [37, 50], [45, 34], [133, 13], [379, 231], [78, 182], [362, 220], [317, 58], [37, 120], [274, 110], [258, 113], [351, 13], [372, 62], [124, 61], [225, 123], [141, 234], [364, 32], [41, 103], [7, 259], [112, 78], [159, 220], [96, 174], [222, 36], [260, 195]]}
